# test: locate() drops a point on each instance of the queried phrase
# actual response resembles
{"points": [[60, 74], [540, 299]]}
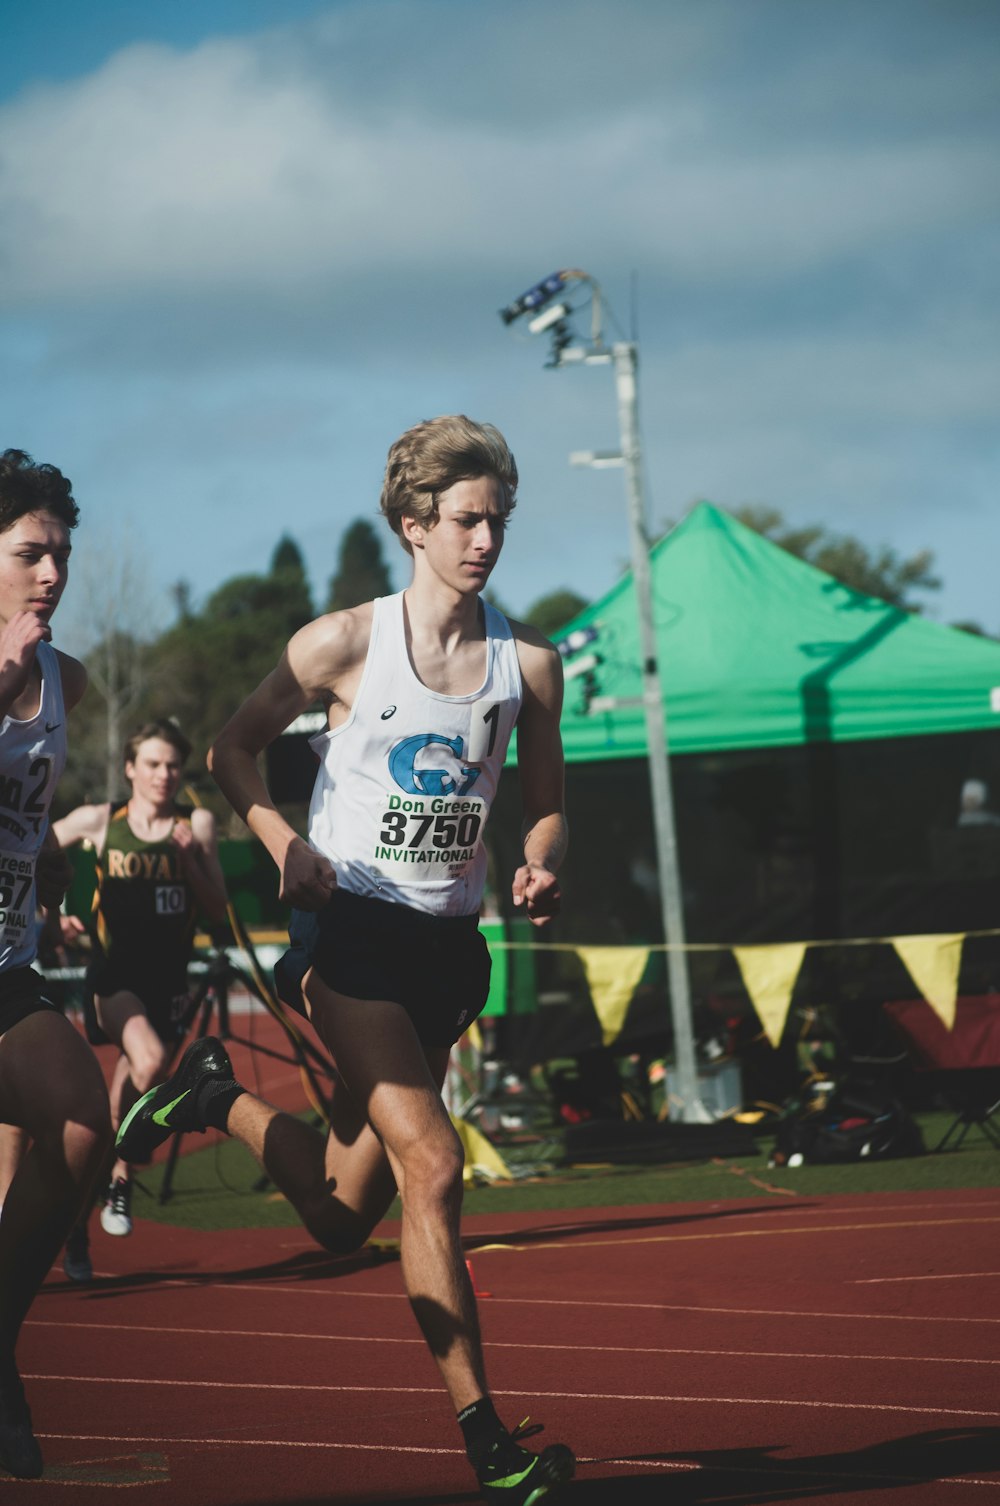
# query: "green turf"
{"points": [[216, 1188]]}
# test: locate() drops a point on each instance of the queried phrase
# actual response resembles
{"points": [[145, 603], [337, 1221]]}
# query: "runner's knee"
{"points": [[79, 1136], [147, 1068], [337, 1228], [432, 1169], [87, 1144]]}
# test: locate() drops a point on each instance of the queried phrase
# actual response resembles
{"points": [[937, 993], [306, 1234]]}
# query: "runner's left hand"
{"points": [[537, 889], [53, 876]]}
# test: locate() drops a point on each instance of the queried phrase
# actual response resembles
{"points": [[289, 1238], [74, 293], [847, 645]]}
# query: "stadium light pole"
{"points": [[553, 317]]}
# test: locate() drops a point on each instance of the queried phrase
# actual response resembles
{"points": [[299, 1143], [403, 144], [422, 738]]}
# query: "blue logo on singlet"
{"points": [[439, 775]]}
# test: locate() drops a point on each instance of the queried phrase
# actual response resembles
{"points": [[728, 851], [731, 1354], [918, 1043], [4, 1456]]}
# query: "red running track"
{"points": [[816, 1349], [740, 1352]]}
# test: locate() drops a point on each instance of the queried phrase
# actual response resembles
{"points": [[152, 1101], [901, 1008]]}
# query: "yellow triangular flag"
{"points": [[613, 973], [933, 963], [769, 973], [479, 1152]]}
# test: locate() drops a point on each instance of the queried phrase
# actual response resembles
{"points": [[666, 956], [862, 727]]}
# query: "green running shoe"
{"points": [[516, 1477], [172, 1106]]}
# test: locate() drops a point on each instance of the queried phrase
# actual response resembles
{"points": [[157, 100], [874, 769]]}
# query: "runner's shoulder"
{"points": [[534, 649], [73, 677], [333, 644]]}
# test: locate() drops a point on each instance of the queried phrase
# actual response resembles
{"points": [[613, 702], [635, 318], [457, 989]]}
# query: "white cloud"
{"points": [[241, 167], [231, 275]]}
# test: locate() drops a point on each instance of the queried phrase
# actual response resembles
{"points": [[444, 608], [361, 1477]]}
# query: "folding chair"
{"points": [[963, 1063]]}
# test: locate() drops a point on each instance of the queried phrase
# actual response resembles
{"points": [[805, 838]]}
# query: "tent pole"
{"points": [[692, 1109]]}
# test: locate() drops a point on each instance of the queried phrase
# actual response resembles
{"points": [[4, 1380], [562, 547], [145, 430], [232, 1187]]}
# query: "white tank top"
{"points": [[406, 783], [32, 756]]}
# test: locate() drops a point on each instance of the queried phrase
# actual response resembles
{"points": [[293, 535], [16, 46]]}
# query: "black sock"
{"points": [[214, 1097], [481, 1429]]}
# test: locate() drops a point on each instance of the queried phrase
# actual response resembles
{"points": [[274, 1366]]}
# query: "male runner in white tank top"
{"points": [[422, 691], [51, 1086]]}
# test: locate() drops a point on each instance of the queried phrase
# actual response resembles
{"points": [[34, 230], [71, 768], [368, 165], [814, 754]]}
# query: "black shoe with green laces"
{"points": [[176, 1104], [513, 1475]]}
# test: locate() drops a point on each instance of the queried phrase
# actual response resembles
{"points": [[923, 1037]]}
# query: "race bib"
{"points": [[426, 833], [17, 897], [171, 899]]}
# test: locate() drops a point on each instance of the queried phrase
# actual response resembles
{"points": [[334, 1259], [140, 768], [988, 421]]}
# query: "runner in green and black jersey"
{"points": [[157, 868]]}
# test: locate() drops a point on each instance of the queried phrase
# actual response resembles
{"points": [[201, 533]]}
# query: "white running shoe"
{"points": [[116, 1215]]}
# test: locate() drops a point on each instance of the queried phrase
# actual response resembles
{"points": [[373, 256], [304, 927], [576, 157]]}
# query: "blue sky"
{"points": [[246, 243]]}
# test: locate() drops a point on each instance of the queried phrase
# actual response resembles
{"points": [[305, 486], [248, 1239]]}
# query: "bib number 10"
{"points": [[170, 899]]}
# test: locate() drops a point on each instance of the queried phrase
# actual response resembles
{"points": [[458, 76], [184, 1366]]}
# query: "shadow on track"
{"points": [[757, 1476], [318, 1264], [577, 1227]]}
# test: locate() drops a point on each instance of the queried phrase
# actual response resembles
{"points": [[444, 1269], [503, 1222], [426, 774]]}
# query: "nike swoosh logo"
{"points": [[510, 1481], [161, 1116], [52, 726]]}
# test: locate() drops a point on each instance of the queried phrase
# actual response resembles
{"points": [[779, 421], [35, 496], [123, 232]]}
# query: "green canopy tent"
{"points": [[819, 743], [760, 650]]}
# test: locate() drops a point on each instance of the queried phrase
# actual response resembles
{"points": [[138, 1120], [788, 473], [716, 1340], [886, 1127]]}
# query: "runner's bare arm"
{"points": [[312, 668], [18, 641], [198, 846], [74, 679], [88, 823], [53, 874], [540, 764]]}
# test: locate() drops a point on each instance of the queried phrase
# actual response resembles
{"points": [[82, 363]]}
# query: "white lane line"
{"points": [[937, 1276], [527, 1393], [659, 1307], [714, 1235], [528, 1347]]}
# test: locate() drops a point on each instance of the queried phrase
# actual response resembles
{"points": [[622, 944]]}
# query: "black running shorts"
{"points": [[164, 995], [436, 966], [21, 995]]}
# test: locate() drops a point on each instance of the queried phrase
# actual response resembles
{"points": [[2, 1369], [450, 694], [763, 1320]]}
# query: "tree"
{"points": [[108, 620], [287, 556], [362, 573], [200, 670], [288, 569], [552, 612], [880, 573]]}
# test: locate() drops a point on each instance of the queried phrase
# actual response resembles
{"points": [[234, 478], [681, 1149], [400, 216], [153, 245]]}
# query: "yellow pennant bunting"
{"points": [[479, 1153], [933, 963], [613, 974], [769, 973]]}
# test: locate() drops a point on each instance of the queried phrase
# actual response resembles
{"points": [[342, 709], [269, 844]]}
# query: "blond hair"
{"points": [[433, 456]]}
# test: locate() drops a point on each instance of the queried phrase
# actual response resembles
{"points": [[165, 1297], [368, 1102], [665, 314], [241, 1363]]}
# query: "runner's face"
{"points": [[34, 563], [156, 773], [464, 544]]}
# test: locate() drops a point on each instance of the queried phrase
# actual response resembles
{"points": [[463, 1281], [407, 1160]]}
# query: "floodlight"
{"points": [[535, 298], [581, 666], [548, 317], [577, 639]]}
